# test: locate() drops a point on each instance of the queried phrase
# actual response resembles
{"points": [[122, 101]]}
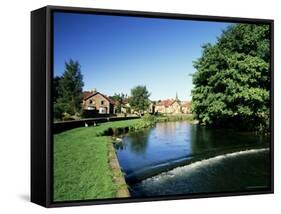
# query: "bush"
{"points": [[58, 111], [67, 116], [147, 121], [149, 118]]}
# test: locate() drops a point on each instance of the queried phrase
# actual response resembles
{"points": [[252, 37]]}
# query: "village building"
{"points": [[97, 104], [186, 107], [126, 108], [172, 106], [96, 101]]}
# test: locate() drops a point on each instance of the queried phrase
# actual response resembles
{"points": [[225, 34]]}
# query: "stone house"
{"points": [[169, 106], [98, 102], [186, 107], [172, 106]]}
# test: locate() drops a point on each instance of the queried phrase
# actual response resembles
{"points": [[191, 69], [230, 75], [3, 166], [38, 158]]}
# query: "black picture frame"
{"points": [[41, 105]]}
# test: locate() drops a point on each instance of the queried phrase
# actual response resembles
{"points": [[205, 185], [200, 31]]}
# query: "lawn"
{"points": [[81, 161]]}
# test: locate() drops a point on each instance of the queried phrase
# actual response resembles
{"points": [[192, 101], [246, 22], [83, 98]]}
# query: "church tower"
{"points": [[177, 99]]}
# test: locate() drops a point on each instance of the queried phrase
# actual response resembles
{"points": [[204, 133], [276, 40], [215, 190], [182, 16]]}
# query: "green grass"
{"points": [[81, 161], [81, 158], [177, 117]]}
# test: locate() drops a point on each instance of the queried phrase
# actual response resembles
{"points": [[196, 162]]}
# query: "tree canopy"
{"points": [[119, 101], [139, 100], [69, 90], [232, 79]]}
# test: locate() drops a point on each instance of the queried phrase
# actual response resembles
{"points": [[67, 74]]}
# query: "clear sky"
{"points": [[117, 53]]}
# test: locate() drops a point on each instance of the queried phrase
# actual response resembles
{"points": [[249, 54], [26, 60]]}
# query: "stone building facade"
{"points": [[99, 102], [173, 106]]}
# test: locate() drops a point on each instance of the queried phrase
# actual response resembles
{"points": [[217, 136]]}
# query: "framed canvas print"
{"points": [[134, 106]]}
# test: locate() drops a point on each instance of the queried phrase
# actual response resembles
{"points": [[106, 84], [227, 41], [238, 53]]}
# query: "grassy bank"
{"points": [[81, 161], [177, 117]]}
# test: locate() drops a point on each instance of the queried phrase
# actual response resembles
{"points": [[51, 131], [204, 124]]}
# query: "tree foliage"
{"points": [[119, 101], [232, 79], [56, 88], [139, 100], [69, 90]]}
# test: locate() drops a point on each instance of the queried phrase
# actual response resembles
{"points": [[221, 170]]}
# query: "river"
{"points": [[175, 158]]}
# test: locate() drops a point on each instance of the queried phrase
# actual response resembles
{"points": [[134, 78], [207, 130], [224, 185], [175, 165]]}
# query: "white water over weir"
{"points": [[196, 166]]}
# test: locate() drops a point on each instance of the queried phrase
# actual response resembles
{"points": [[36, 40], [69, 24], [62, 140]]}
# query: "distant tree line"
{"points": [[232, 79]]}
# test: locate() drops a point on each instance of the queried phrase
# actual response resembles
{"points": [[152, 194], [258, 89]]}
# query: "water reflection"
{"points": [[207, 139], [138, 141], [171, 141]]}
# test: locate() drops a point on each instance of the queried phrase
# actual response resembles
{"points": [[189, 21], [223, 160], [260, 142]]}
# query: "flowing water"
{"points": [[180, 158]]}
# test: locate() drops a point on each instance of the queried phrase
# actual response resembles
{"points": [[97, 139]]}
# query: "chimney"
{"points": [[94, 90]]}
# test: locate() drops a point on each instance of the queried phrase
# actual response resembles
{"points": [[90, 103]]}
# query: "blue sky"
{"points": [[117, 53]]}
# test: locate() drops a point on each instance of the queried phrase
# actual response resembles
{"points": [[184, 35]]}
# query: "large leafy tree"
{"points": [[232, 79], [139, 100], [69, 90]]}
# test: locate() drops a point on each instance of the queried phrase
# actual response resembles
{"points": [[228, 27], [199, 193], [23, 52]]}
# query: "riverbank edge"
{"points": [[175, 118], [118, 177], [118, 174], [69, 147], [98, 134]]}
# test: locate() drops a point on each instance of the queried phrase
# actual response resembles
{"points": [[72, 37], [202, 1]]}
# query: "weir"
{"points": [[237, 171], [203, 159]]}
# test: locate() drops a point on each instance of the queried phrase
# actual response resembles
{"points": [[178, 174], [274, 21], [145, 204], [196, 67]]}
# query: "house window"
{"points": [[92, 102], [102, 102]]}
